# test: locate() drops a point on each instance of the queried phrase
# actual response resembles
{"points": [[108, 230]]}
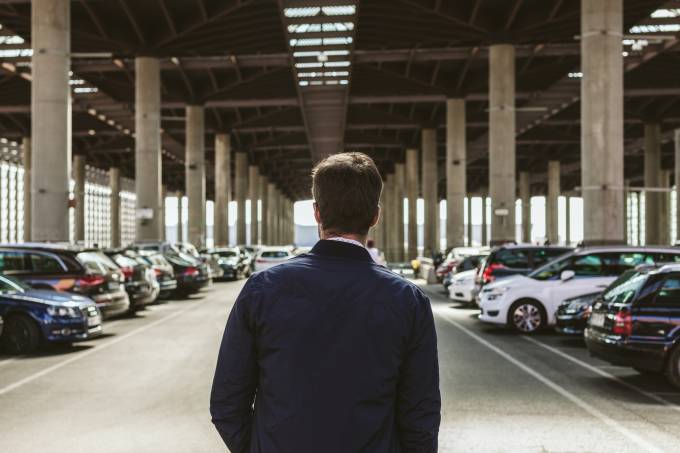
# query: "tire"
{"points": [[527, 316], [21, 335], [673, 367]]}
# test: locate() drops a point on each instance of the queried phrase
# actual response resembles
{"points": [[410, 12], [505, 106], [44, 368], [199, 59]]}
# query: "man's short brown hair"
{"points": [[346, 188]]}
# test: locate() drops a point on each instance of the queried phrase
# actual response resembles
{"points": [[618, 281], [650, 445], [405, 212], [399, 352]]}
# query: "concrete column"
{"points": [[502, 142], [79, 193], [567, 238], [653, 197], [164, 195], [253, 194], [677, 184], [26, 156], [412, 195], [180, 215], [271, 213], [525, 196], [400, 182], [552, 220], [264, 196], [389, 230], [222, 189], [602, 120], [380, 230], [455, 172], [469, 216], [429, 184], [485, 229], [195, 173], [114, 184], [50, 120], [665, 208], [148, 157], [241, 179], [640, 216]]}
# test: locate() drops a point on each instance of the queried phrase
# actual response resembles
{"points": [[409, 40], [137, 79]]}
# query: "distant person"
{"points": [[375, 252], [330, 352]]}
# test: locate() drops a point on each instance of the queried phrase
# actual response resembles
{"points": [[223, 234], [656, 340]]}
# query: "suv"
{"points": [[635, 323], [64, 267], [528, 303]]}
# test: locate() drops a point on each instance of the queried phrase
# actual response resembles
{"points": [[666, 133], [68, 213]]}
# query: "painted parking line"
{"points": [[98, 348], [601, 372], [604, 418]]}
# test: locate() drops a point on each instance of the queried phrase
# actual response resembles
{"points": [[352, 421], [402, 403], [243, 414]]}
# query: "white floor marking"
{"points": [[95, 349], [637, 440], [603, 373]]}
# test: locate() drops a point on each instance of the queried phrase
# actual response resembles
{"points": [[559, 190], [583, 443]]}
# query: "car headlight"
{"points": [[63, 312], [579, 304], [496, 293]]}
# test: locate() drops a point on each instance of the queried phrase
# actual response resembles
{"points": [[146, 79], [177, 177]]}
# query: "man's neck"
{"points": [[352, 237]]}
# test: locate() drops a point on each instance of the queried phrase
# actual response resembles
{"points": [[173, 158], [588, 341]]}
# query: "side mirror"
{"points": [[567, 275]]}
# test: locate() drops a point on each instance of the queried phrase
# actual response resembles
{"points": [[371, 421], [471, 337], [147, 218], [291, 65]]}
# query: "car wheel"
{"points": [[527, 316], [21, 335], [673, 367]]}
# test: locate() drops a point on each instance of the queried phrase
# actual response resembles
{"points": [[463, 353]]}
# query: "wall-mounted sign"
{"points": [[144, 213], [502, 212]]}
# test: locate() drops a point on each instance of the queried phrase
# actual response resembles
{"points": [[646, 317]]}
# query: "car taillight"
{"points": [[157, 272], [190, 272], [90, 281], [260, 261], [487, 276], [127, 272], [623, 324]]}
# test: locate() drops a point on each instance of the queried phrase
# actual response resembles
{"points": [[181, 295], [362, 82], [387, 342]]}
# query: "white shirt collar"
{"points": [[348, 241]]}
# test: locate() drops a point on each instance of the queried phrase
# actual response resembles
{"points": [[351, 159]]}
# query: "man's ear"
{"points": [[374, 222], [317, 215]]}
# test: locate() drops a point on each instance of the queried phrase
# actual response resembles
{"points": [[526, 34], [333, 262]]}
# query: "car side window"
{"points": [[615, 264], [45, 264], [13, 262], [513, 258], [586, 265], [669, 292]]}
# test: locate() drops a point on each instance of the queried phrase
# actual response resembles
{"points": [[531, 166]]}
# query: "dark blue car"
{"points": [[32, 316]]}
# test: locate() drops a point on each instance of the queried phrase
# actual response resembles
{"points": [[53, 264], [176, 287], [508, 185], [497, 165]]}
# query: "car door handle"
{"points": [[602, 286]]}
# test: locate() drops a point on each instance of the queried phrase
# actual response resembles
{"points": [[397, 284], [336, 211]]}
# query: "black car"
{"points": [[140, 279], [191, 274], [636, 323], [572, 315], [234, 263], [63, 267], [165, 274], [509, 260]]}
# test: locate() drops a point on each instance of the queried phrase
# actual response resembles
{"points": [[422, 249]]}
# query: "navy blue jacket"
{"points": [[328, 353]]}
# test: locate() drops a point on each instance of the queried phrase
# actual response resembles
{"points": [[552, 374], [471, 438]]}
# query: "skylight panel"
{"points": [[308, 11], [340, 10], [663, 28], [305, 42], [666, 12], [337, 64]]}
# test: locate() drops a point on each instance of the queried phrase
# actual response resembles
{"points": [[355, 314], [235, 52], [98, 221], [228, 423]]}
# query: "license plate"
{"points": [[597, 320], [94, 320], [114, 286]]}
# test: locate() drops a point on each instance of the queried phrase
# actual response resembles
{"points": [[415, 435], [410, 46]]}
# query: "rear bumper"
{"points": [[113, 304], [624, 352], [570, 325], [192, 284]]}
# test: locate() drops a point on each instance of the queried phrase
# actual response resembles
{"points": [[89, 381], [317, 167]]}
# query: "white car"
{"points": [[528, 303], [462, 286], [271, 256]]}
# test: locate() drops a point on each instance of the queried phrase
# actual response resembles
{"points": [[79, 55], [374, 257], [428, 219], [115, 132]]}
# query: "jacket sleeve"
{"points": [[235, 381], [418, 399]]}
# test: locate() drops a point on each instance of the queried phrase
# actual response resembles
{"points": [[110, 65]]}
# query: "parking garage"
{"points": [[194, 125]]}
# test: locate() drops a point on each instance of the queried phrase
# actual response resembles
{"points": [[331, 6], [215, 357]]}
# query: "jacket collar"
{"points": [[341, 250]]}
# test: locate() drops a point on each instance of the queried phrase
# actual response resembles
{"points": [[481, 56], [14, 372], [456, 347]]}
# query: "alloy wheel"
{"points": [[527, 317]]}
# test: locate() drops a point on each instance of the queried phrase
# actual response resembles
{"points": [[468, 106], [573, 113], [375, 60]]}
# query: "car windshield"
{"points": [[274, 254], [9, 285], [624, 288], [552, 269], [227, 254]]}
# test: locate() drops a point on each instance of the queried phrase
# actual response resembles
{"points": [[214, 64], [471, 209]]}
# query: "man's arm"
{"points": [[418, 399], [235, 382]]}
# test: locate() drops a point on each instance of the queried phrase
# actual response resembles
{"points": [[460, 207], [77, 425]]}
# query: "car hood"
{"points": [[40, 296], [465, 274], [512, 282]]}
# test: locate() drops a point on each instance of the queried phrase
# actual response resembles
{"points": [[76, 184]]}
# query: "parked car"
{"points": [[251, 252], [468, 263], [636, 323], [528, 303], [455, 256], [271, 256], [212, 260], [192, 275], [235, 264], [462, 286], [140, 279], [572, 315], [509, 260], [165, 274], [64, 267], [32, 316]]}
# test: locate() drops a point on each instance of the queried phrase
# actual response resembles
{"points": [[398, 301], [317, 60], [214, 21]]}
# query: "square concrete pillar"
{"points": [[114, 184], [241, 180], [653, 197], [525, 196], [253, 194], [429, 185], [222, 189], [456, 167], [552, 201], [195, 173], [412, 195]]}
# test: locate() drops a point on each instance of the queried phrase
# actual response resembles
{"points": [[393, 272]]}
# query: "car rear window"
{"points": [[542, 256], [124, 261], [275, 254], [227, 254], [96, 262], [516, 258]]}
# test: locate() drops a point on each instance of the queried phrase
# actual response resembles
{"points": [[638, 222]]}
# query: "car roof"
{"points": [[626, 248], [532, 247], [51, 247]]}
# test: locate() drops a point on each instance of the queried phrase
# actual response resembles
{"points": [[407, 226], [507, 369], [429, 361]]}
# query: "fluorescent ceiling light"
{"points": [[340, 10], [307, 11]]}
